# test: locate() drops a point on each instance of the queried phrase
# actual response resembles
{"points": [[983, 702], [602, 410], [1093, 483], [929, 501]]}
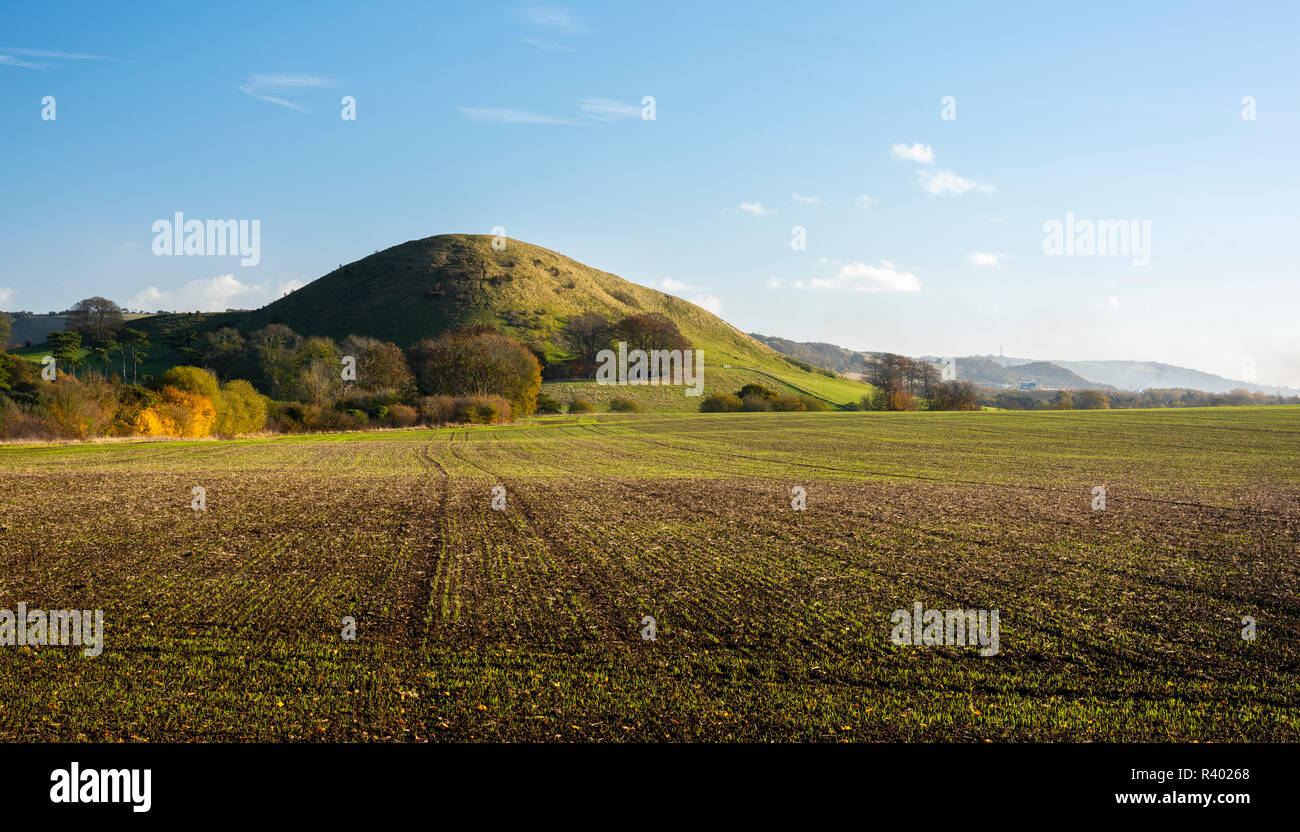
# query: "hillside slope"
{"points": [[420, 288]]}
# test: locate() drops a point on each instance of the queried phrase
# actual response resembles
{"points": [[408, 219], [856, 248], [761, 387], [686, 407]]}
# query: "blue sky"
{"points": [[528, 116]]}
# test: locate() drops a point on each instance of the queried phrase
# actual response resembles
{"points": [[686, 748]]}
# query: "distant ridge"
{"points": [[1001, 371]]}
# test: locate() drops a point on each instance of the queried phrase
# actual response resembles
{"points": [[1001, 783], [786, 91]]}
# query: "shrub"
{"points": [[402, 416], [901, 400], [445, 410], [191, 380], [240, 409], [755, 390], [787, 403], [177, 413], [548, 404], [75, 409], [580, 404], [720, 403], [621, 404], [812, 404], [754, 402]]}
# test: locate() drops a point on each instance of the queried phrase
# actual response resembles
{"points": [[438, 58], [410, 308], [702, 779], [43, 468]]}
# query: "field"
{"points": [[771, 624]]}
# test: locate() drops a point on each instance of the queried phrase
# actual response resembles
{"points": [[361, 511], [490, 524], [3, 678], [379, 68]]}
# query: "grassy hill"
{"points": [[417, 289], [420, 288]]}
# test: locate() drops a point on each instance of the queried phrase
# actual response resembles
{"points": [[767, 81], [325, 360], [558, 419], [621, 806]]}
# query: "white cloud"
{"points": [[1113, 303], [865, 200], [511, 117], [545, 44], [947, 182], [606, 109], [916, 152], [257, 85], [711, 303], [860, 277], [757, 209], [5, 295], [549, 17], [8, 59], [774, 282], [806, 199], [668, 284], [986, 259], [215, 294]]}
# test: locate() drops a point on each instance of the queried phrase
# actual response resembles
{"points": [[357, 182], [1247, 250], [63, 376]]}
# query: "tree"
{"points": [[954, 395], [586, 335], [223, 348], [6, 327], [134, 342], [487, 363], [1063, 401], [103, 355], [1091, 400], [274, 345], [66, 349], [96, 318], [652, 331], [380, 366]]}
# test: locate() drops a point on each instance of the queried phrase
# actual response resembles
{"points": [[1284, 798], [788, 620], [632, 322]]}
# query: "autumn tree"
{"points": [[463, 363], [586, 335]]}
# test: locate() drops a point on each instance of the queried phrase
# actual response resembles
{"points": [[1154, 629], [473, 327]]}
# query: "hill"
{"points": [[420, 288], [985, 370], [1141, 375], [820, 354]]}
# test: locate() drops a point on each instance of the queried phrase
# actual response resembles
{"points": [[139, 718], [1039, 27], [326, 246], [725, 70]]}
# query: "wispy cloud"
{"points": [[915, 153], [985, 259], [864, 200], [947, 182], [545, 44], [490, 116], [6, 295], [861, 277], [7, 58], [548, 17], [260, 85], [607, 109], [757, 209], [806, 199]]}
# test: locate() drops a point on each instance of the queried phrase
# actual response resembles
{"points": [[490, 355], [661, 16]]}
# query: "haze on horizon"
{"points": [[924, 235]]}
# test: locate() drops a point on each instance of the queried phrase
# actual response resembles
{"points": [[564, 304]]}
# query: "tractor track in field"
{"points": [[560, 554], [419, 617]]}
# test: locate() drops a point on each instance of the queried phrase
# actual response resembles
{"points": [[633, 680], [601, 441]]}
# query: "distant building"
{"points": [[1028, 385]]}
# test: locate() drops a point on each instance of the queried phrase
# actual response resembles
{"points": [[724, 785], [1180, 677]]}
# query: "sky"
{"points": [[920, 152]]}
